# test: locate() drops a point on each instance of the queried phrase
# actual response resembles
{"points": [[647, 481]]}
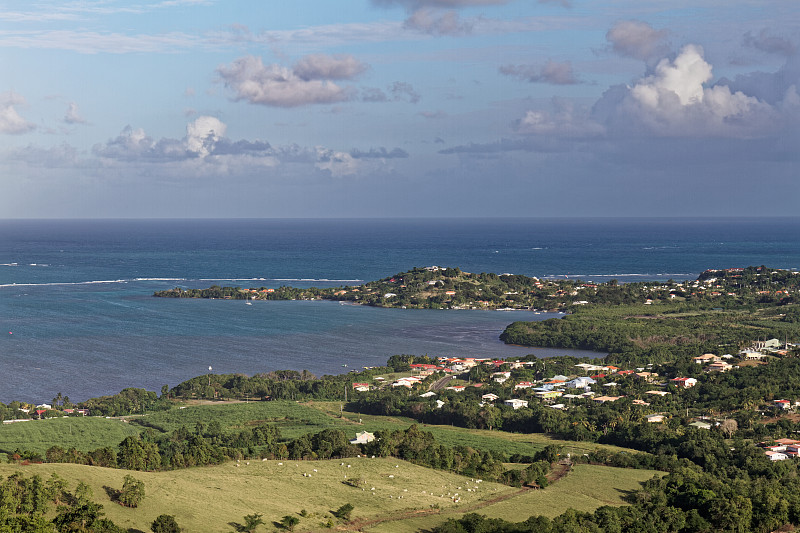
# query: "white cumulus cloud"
{"points": [[203, 134], [10, 120], [675, 100]]}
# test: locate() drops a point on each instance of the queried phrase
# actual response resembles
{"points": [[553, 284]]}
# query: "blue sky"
{"points": [[370, 108]]}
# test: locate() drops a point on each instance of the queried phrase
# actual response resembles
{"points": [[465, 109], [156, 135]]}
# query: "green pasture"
{"points": [[585, 488], [82, 433], [216, 498], [501, 441], [292, 418]]}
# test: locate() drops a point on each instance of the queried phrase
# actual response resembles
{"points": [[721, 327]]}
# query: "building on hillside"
{"points": [[363, 438], [684, 383], [516, 403], [549, 394], [719, 366], [705, 358], [782, 404], [604, 399], [776, 456]]}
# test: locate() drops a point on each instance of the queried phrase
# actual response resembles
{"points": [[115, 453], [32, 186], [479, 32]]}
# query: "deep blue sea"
{"points": [[77, 315]]}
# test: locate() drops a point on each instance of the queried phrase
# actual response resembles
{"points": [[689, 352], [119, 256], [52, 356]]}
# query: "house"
{"points": [[501, 377], [604, 399], [776, 456], [701, 425], [783, 404], [457, 388], [647, 376], [580, 383], [363, 438], [523, 385], [705, 358], [491, 397], [719, 366], [590, 368], [516, 403], [684, 383], [549, 394], [655, 419], [640, 402], [361, 387], [427, 394], [750, 355], [657, 392]]}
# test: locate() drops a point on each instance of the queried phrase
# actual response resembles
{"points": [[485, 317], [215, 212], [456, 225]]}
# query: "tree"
{"points": [[289, 521], [83, 493], [165, 524], [132, 492], [252, 521], [343, 512]]}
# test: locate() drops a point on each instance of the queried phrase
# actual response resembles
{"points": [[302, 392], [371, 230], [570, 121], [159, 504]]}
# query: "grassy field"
{"points": [[83, 433], [586, 488], [214, 498], [292, 418], [217, 498], [502, 441]]}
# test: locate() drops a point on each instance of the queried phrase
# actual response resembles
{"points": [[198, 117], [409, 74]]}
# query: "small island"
{"points": [[435, 287]]}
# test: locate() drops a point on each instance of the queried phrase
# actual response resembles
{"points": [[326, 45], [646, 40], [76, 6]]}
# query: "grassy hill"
{"points": [[294, 419], [217, 498], [83, 433]]}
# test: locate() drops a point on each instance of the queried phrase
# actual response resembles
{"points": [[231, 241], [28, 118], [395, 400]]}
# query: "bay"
{"points": [[75, 295]]}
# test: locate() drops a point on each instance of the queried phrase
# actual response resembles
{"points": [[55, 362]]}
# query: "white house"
{"points": [[516, 403], [580, 383], [776, 456], [363, 438]]}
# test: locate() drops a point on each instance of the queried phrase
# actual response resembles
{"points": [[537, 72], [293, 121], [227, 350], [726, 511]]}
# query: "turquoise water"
{"points": [[76, 295]]}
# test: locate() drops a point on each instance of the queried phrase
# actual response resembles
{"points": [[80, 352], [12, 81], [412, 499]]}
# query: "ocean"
{"points": [[77, 314]]}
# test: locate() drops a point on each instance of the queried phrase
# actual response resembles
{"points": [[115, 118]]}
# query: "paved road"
{"points": [[441, 383]]}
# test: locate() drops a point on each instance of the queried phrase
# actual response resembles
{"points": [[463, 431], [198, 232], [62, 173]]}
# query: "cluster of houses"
{"points": [[38, 412], [781, 449]]}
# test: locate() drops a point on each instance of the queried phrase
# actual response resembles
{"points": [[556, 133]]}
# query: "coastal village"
{"points": [[596, 384]]}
